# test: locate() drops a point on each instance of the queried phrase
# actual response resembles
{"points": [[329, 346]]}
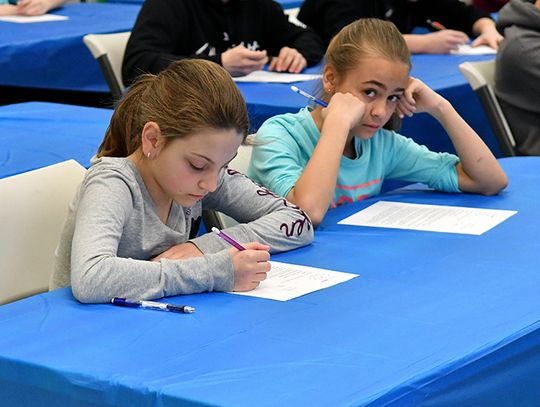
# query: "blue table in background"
{"points": [[52, 55], [34, 135], [434, 319], [440, 72]]}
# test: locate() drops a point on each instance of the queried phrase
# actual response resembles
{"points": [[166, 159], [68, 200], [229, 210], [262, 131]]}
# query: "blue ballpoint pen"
{"points": [[160, 306], [310, 97]]}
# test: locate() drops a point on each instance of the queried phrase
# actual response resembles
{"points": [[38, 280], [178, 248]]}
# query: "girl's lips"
{"points": [[372, 126]]}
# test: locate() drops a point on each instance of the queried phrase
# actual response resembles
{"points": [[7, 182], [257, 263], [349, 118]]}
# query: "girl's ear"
{"points": [[329, 79], [150, 139]]}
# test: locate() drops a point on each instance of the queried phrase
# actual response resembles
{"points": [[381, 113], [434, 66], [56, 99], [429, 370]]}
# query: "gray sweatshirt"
{"points": [[112, 231], [517, 74]]}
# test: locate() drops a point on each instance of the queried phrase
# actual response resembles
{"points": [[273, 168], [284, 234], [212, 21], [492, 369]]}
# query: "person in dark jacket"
{"points": [[241, 35], [517, 72], [459, 21]]}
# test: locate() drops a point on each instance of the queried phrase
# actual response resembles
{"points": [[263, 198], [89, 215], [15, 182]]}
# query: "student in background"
{"points": [[28, 7], [131, 229], [517, 73], [324, 157], [459, 21], [240, 35]]}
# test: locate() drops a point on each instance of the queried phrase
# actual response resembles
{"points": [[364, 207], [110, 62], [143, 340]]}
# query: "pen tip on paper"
{"points": [[215, 230]]}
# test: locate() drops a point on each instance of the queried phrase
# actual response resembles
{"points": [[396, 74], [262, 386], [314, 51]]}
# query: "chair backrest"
{"points": [[34, 206], [239, 163], [481, 77], [108, 50]]}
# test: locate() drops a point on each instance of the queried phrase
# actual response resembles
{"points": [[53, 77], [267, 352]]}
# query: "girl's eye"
{"points": [[370, 93], [196, 168], [394, 98]]}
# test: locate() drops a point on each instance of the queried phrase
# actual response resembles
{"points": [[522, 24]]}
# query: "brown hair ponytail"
{"points": [[188, 96]]}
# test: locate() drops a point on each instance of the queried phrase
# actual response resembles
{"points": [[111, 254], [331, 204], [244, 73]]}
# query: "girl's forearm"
{"points": [[314, 189], [482, 172]]}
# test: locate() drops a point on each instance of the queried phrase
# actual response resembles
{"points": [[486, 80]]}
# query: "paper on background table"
{"points": [[466, 49], [276, 77], [287, 281], [432, 218], [33, 19]]}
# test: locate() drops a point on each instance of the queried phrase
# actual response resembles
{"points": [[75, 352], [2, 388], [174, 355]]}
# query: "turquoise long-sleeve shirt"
{"points": [[285, 143]]}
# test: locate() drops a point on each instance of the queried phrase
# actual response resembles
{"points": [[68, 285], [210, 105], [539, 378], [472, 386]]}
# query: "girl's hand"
{"points": [[487, 33], [288, 60], [180, 252], [442, 42], [242, 61], [34, 7], [417, 98], [491, 38], [345, 109], [250, 266]]}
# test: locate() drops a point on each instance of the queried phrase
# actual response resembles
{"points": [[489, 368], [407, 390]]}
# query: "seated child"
{"points": [[131, 231], [323, 157]]}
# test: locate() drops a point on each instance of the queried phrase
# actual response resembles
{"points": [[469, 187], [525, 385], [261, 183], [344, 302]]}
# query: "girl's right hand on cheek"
{"points": [[250, 266], [344, 108]]}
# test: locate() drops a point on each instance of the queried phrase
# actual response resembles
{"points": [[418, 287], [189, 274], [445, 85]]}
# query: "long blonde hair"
{"points": [[188, 96]]}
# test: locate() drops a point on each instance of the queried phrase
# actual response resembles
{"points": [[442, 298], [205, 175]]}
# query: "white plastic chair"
{"points": [[34, 206], [481, 77], [108, 50]]}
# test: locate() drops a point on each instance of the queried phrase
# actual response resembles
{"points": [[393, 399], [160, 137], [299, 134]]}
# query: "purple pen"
{"points": [[228, 239]]}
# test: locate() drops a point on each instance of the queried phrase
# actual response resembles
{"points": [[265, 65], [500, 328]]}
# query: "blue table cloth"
{"points": [[52, 55], [433, 319], [34, 135]]}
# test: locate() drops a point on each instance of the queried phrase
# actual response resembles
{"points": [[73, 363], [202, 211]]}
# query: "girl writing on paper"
{"points": [[131, 231], [324, 157]]}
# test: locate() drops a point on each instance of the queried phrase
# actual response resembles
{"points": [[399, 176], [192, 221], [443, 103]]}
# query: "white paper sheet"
{"points": [[276, 77], [33, 19], [466, 49], [434, 218], [286, 281]]}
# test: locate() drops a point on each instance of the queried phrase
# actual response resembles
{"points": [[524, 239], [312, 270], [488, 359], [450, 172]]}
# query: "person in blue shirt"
{"points": [[324, 157], [28, 7]]}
